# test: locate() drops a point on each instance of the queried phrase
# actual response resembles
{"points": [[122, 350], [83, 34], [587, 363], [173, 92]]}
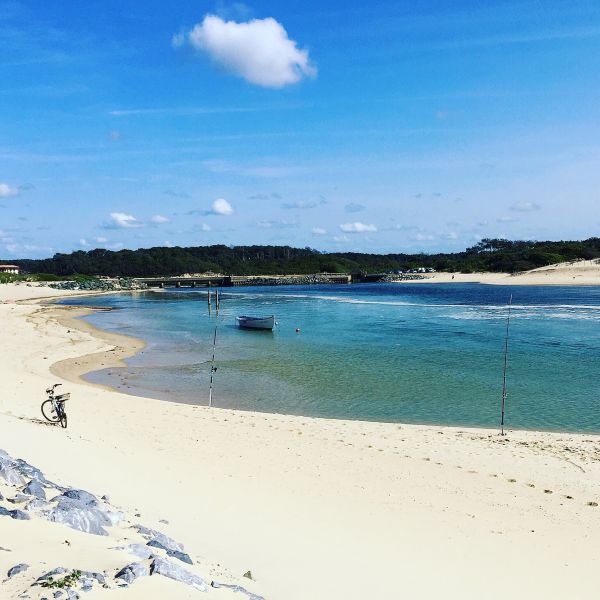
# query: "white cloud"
{"points": [[7, 191], [424, 237], [276, 224], [357, 227], [83, 242], [159, 219], [221, 207], [319, 231], [525, 207], [205, 227], [258, 50], [341, 238], [506, 219], [123, 221], [100, 240]]}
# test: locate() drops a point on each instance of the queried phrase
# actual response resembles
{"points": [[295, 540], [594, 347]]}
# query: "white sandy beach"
{"points": [[582, 272], [316, 509]]}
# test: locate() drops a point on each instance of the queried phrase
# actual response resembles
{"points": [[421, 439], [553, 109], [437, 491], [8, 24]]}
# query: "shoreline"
{"points": [[315, 508], [126, 346]]}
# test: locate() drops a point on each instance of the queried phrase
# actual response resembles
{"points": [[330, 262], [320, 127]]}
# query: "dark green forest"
{"points": [[488, 255]]}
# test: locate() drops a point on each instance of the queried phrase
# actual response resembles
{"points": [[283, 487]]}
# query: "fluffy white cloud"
{"points": [[7, 191], [100, 240], [358, 227], [83, 242], [258, 50], [221, 207], [319, 231], [526, 207], [159, 219], [123, 221], [205, 227]]}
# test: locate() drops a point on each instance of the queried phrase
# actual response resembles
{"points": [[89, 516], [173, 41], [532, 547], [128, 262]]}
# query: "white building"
{"points": [[13, 269]]}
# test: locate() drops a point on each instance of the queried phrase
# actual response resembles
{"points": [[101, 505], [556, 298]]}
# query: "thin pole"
{"points": [[212, 365], [505, 365]]}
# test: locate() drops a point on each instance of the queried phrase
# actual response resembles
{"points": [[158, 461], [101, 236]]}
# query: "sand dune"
{"points": [[582, 272], [315, 508]]}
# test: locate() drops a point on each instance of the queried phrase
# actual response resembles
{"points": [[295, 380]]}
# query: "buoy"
{"points": [[297, 329]]}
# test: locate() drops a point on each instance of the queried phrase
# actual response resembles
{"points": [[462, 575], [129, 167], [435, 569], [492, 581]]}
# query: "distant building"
{"points": [[13, 269]]}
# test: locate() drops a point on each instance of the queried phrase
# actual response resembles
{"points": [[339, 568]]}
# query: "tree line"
{"points": [[496, 255]]}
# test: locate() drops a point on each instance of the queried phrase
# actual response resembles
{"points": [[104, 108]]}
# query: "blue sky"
{"points": [[383, 126]]}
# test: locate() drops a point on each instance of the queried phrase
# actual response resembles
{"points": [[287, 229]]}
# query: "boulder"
{"points": [[20, 568], [159, 540], [81, 510], [168, 569], [17, 514], [131, 572], [34, 488]]}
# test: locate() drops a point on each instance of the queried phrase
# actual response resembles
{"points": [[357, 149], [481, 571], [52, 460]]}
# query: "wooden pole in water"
{"points": [[212, 367], [505, 366], [217, 301]]}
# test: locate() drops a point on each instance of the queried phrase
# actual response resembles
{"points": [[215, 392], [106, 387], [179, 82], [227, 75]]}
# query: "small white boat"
{"points": [[256, 322]]}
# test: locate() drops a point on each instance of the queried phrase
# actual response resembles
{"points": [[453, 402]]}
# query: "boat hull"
{"points": [[265, 323]]}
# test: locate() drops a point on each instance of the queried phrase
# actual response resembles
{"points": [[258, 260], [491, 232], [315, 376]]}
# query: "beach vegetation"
{"points": [[492, 255]]}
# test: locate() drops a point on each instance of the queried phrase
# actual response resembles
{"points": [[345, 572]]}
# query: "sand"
{"points": [[315, 508], [582, 272]]}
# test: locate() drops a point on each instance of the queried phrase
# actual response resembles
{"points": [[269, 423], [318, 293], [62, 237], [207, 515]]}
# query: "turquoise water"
{"points": [[407, 353]]}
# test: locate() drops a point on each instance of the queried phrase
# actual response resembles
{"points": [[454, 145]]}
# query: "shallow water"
{"points": [[423, 353]]}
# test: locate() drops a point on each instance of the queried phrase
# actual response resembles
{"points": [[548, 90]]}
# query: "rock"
{"points": [[46, 576], [36, 504], [72, 595], [182, 556], [34, 488], [10, 474], [99, 577], [81, 510], [17, 514], [20, 568], [237, 588], [166, 543], [58, 594], [81, 496], [20, 498], [168, 569], [131, 572]]}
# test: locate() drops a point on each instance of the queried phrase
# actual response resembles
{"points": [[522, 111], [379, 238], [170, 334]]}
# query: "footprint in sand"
{"points": [[511, 480], [548, 492], [592, 504]]}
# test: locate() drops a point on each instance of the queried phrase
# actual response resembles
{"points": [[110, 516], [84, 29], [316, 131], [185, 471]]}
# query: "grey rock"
{"points": [[32, 472], [81, 496], [46, 576], [165, 541], [237, 588], [131, 572], [34, 488], [72, 595], [99, 577], [168, 569], [10, 474], [17, 514], [20, 499], [182, 556], [20, 568], [58, 594], [86, 587], [36, 504], [82, 511]]}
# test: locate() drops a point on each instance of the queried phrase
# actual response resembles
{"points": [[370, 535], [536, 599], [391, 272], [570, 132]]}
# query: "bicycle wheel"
{"points": [[62, 415], [49, 411]]}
